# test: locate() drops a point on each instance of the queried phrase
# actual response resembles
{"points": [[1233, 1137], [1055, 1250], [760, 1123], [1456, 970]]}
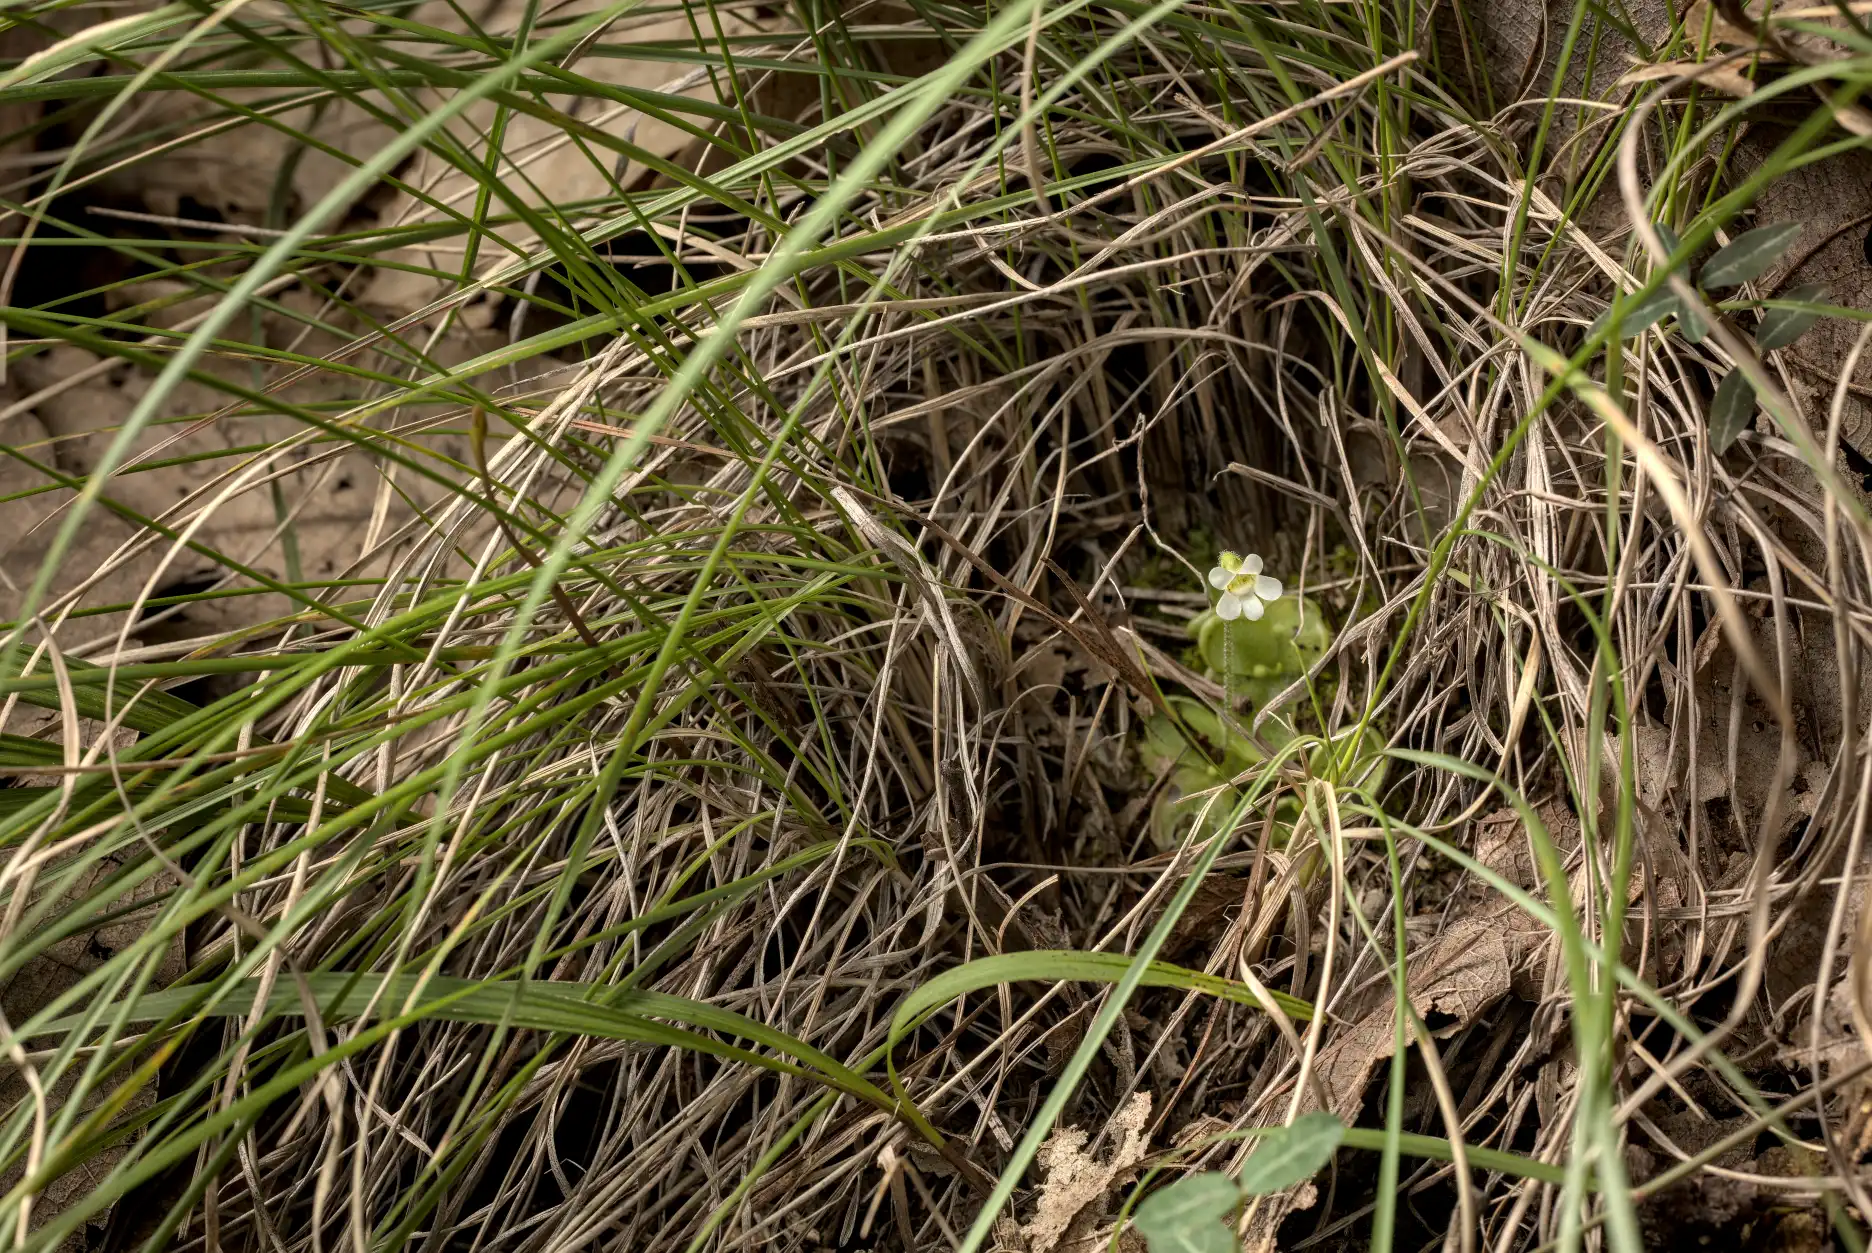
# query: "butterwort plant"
{"points": [[1245, 591], [1255, 639], [1243, 594]]}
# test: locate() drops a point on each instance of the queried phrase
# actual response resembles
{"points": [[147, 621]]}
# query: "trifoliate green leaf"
{"points": [[1292, 1155], [1187, 1216]]}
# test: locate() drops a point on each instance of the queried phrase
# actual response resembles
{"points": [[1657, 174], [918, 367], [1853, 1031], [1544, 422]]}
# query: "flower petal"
{"points": [[1241, 585], [1230, 562], [1252, 609], [1267, 588], [1219, 578], [1230, 607], [1251, 564]]}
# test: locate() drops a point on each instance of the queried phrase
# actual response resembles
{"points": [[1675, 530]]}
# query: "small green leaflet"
{"points": [[1291, 1155], [1187, 1216], [1781, 327], [1749, 255], [1731, 410], [1691, 325], [1659, 305], [1654, 308]]}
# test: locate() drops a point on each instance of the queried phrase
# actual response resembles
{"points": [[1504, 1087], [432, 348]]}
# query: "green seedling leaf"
{"points": [[1188, 1216], [1066, 965], [1291, 1155], [17, 751], [1649, 310], [134, 705], [1689, 321], [1749, 255], [1731, 410], [573, 1009], [1781, 327]]}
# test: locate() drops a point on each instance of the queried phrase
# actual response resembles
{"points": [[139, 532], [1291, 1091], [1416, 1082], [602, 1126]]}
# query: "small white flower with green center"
{"points": [[1246, 592]]}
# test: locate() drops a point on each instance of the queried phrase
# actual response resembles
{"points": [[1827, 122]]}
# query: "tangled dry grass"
{"points": [[759, 570]]}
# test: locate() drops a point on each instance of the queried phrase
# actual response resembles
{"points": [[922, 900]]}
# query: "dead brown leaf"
{"points": [[1450, 981], [1728, 80], [1661, 881], [1072, 1200]]}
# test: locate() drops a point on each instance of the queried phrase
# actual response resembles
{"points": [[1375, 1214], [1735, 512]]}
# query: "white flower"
{"points": [[1246, 592]]}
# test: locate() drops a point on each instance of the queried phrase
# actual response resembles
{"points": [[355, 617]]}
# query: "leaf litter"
{"points": [[1078, 1187]]}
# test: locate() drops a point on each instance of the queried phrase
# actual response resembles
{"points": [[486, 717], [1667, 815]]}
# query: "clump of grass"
{"points": [[707, 792]]}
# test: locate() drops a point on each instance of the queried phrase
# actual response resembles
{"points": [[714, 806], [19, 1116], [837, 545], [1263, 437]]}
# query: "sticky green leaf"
{"points": [[1187, 1216], [1781, 327], [1749, 255], [1291, 1155], [1731, 410], [1282, 644]]}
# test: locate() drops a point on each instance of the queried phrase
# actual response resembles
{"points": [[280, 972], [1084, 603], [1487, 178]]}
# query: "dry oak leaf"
{"points": [[1451, 981]]}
